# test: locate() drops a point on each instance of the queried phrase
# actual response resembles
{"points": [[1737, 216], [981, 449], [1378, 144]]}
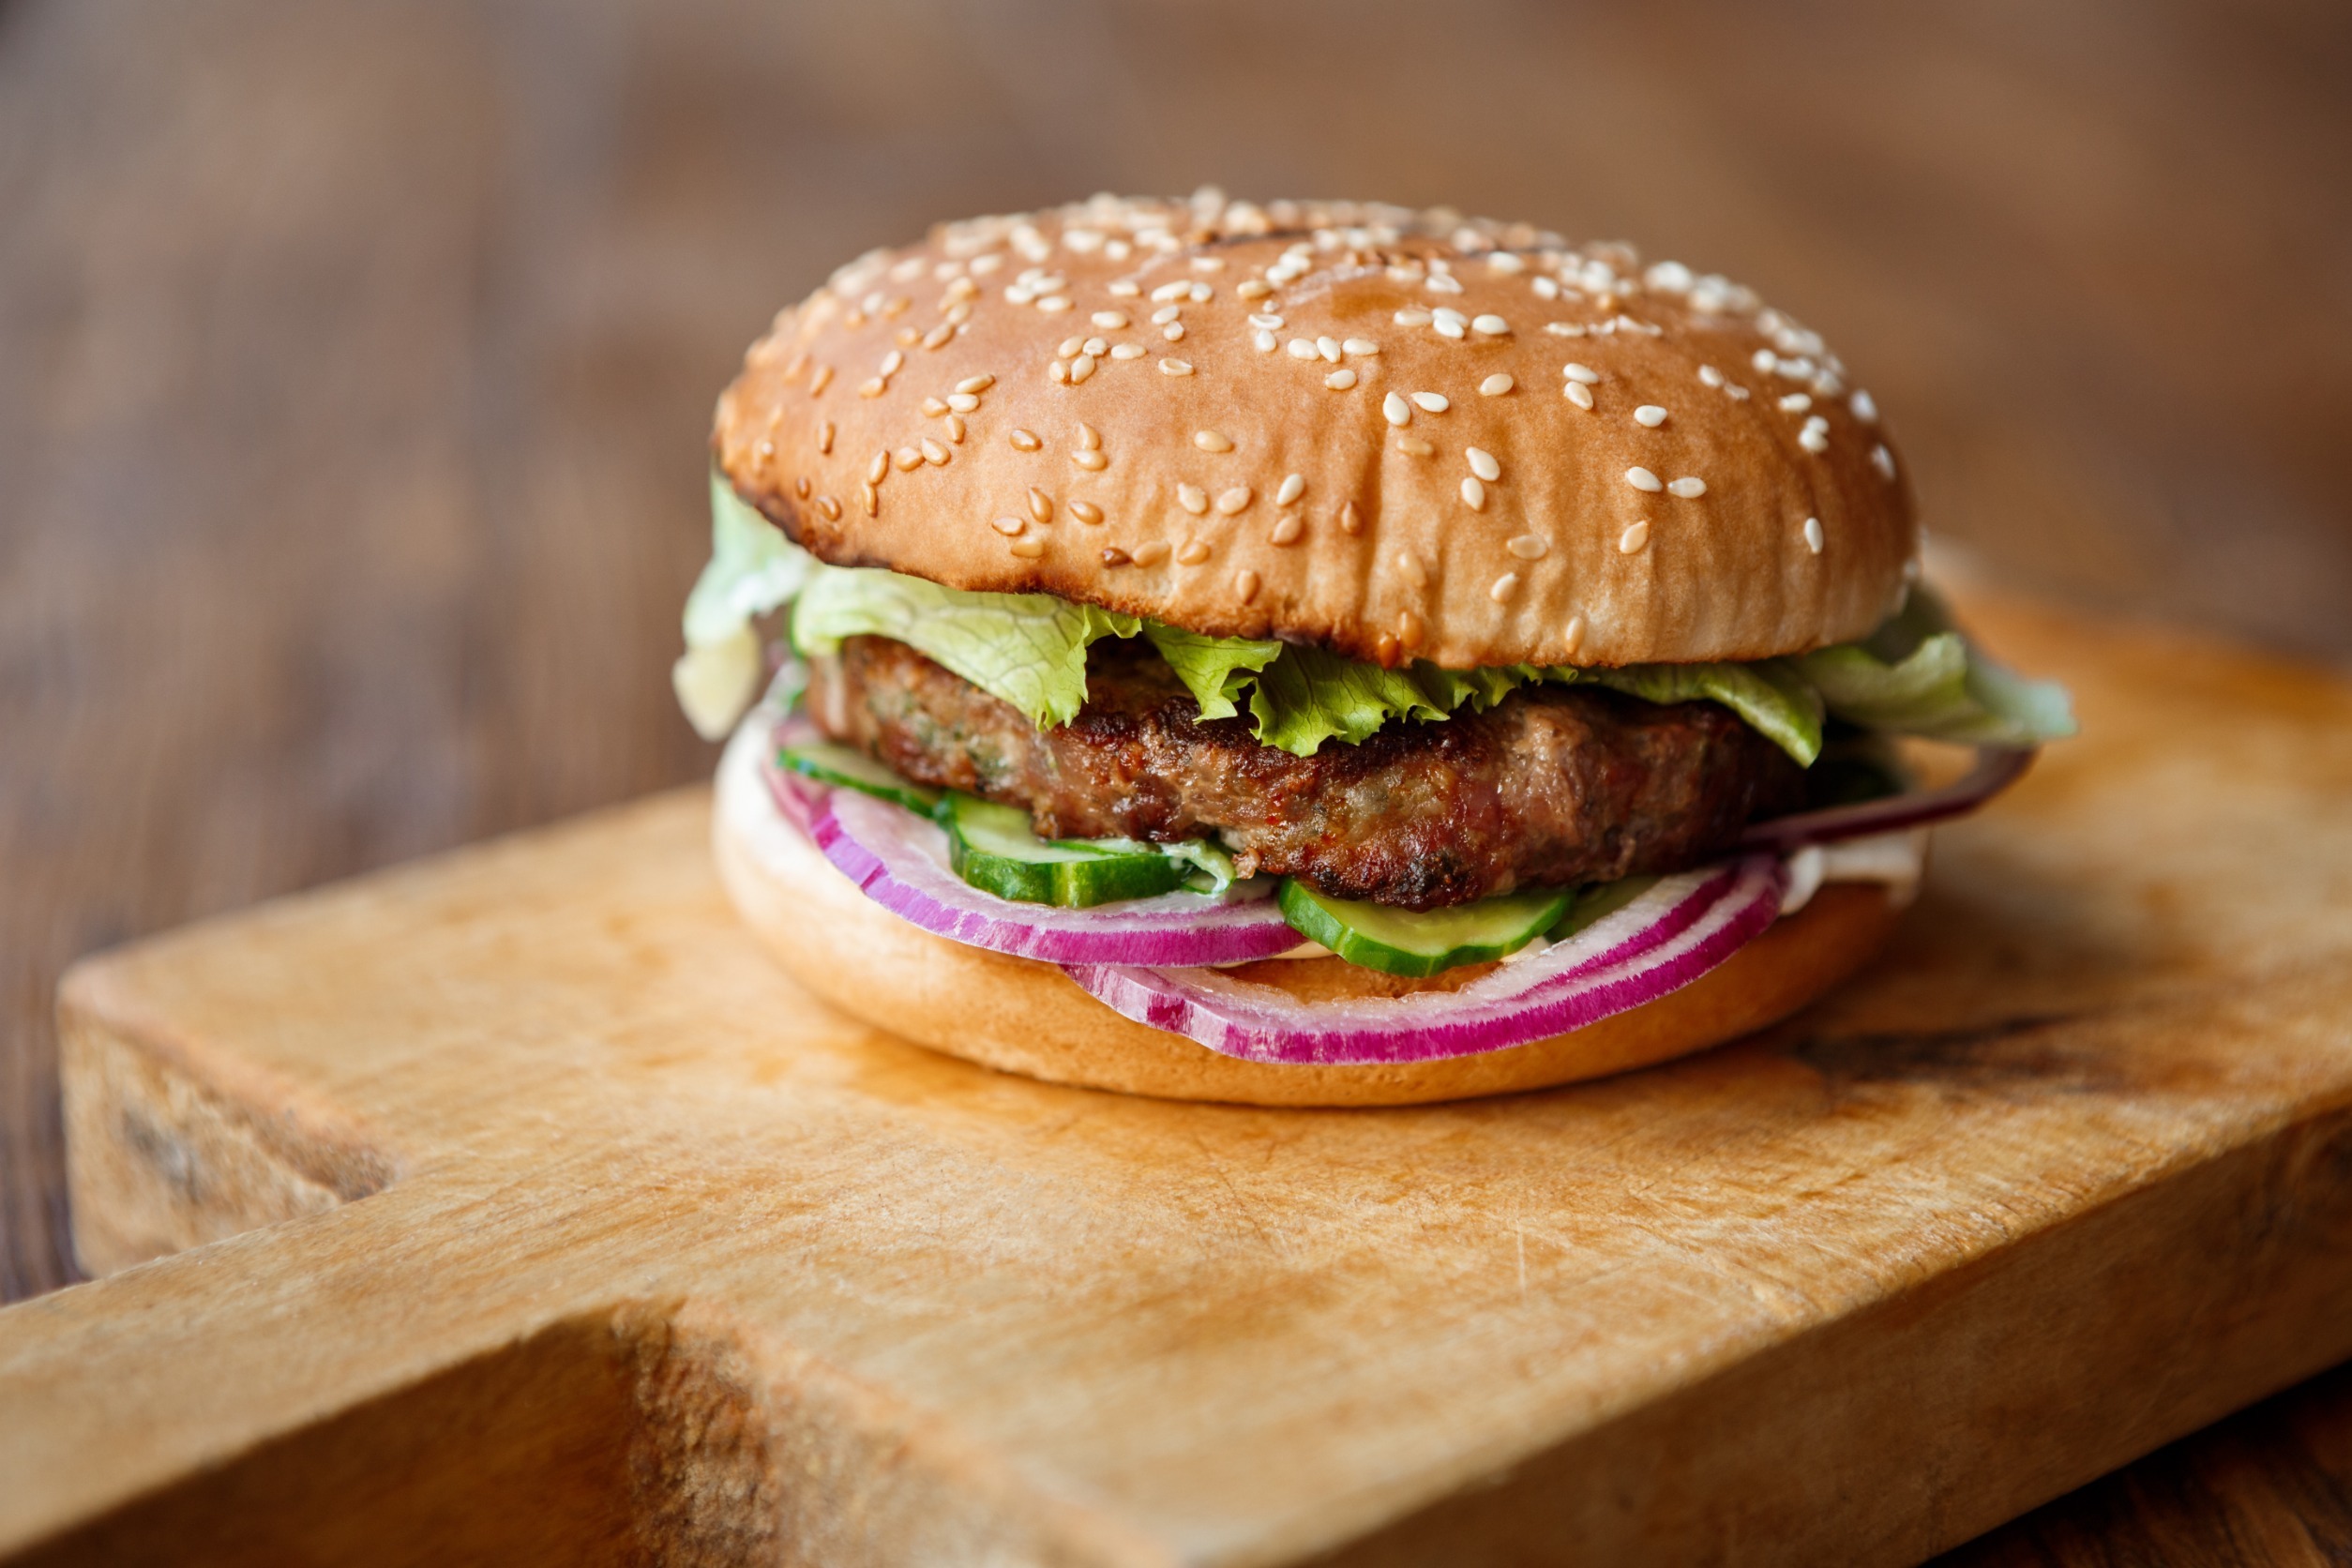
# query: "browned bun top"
{"points": [[1386, 432]]}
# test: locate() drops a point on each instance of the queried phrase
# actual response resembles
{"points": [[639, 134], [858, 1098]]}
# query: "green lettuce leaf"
{"points": [[1028, 649], [1777, 702], [1917, 675], [1217, 670], [752, 570]]}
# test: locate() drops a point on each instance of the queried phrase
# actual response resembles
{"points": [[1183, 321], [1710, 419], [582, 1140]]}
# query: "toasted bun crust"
{"points": [[1250, 477], [1020, 1016]]}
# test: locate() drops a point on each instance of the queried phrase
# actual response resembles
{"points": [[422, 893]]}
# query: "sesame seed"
{"points": [[1413, 446], [1058, 373], [1091, 461], [1397, 410], [1634, 536], [824, 436], [1578, 394], [1090, 439], [1448, 326], [1585, 374], [1040, 505], [1482, 463], [1689, 487], [878, 470], [1474, 493], [1114, 556], [1201, 294], [933, 452], [1111, 321], [1213, 440], [1505, 585], [870, 499], [1492, 326], [1642, 479], [1736, 392], [1763, 360], [1287, 529], [933, 408], [1165, 313], [1172, 291], [963, 403], [1411, 316], [1293, 485], [800, 487], [1299, 348], [1815, 437], [1573, 635], [1193, 499], [1883, 461], [937, 338], [1529, 546], [908, 457], [1339, 380], [1709, 376], [1329, 348], [1009, 527], [1360, 346], [1234, 500], [956, 429], [1244, 585], [1386, 651], [1495, 386], [872, 387], [1864, 406], [1410, 565], [970, 385], [1812, 534], [1127, 350], [1151, 554], [1175, 368], [1028, 549], [1563, 330], [1253, 288], [1125, 288], [892, 361], [1173, 332], [830, 507], [1650, 414], [1193, 552], [1080, 367], [1024, 441], [1431, 402], [1270, 323], [1054, 303], [1263, 341], [1408, 622], [1086, 512], [1351, 521], [821, 379], [1097, 347], [1796, 403]]}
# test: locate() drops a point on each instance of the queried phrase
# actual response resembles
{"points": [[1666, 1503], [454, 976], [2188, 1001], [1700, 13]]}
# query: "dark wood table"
{"points": [[356, 361]]}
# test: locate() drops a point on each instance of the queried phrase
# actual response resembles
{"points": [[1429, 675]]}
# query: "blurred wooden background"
{"points": [[356, 361]]}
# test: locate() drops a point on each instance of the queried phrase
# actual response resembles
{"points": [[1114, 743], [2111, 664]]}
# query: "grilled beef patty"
{"points": [[1553, 785]]}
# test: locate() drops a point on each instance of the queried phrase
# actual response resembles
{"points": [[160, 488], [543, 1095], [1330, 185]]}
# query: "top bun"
{"points": [[1390, 433]]}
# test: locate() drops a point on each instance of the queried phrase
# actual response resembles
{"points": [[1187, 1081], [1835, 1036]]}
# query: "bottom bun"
{"points": [[1022, 1016]]}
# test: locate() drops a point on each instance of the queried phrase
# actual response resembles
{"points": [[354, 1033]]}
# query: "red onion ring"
{"points": [[1996, 768]]}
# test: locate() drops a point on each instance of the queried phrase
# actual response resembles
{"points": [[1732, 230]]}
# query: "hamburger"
{"points": [[1318, 653]]}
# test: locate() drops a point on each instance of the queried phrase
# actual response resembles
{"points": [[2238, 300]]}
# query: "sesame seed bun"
{"points": [[1390, 433], [1021, 1016]]}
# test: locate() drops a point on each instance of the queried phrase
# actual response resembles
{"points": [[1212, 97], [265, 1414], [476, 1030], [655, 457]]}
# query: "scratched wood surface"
{"points": [[525, 1171], [348, 357]]}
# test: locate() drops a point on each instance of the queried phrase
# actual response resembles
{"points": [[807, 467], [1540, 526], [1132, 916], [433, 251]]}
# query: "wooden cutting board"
{"points": [[510, 1207]]}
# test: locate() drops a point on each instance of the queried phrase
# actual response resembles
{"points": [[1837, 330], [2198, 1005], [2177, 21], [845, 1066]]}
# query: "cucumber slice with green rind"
{"points": [[992, 848], [847, 768], [1595, 899], [1405, 941]]}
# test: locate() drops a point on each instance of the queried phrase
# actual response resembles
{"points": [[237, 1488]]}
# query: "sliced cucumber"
{"points": [[1595, 899], [850, 769], [992, 849], [1404, 941]]}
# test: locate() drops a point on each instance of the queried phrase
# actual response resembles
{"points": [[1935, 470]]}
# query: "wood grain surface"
{"points": [[355, 364], [524, 1167]]}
